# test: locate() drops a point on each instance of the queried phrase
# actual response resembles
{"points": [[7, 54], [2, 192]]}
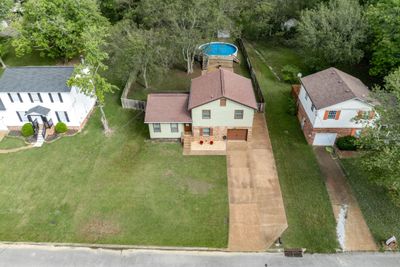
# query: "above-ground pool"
{"points": [[219, 49]]}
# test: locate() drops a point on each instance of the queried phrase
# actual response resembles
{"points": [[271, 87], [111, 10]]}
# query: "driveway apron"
{"points": [[257, 214]]}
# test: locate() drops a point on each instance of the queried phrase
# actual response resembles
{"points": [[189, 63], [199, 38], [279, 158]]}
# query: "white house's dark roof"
{"points": [[332, 86], [38, 110], [2, 107], [36, 79]]}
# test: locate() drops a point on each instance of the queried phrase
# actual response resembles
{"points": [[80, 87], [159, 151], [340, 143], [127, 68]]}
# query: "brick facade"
{"points": [[217, 133], [310, 132]]}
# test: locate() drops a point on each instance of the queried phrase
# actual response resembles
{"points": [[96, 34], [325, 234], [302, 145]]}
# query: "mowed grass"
{"points": [[381, 215], [11, 142], [118, 190], [309, 213]]}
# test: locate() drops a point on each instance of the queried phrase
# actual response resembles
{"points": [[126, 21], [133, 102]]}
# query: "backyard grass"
{"points": [[11, 142], [309, 213], [381, 215], [117, 190]]}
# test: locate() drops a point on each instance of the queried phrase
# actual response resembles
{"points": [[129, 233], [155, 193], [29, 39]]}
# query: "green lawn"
{"points": [[381, 215], [120, 190], [309, 213], [11, 142]]}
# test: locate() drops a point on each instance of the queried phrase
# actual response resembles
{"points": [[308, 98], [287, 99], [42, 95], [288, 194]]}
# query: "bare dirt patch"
{"points": [[98, 228], [198, 187]]}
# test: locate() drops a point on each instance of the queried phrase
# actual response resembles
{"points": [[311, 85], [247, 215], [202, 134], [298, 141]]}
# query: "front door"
{"points": [[188, 128]]}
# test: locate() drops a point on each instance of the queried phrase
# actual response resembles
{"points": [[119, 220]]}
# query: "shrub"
{"points": [[61, 127], [292, 106], [27, 130], [347, 143], [289, 73]]}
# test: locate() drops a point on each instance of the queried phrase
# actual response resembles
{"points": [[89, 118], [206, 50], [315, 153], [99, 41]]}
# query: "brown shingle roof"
{"points": [[167, 108], [221, 83], [332, 86]]}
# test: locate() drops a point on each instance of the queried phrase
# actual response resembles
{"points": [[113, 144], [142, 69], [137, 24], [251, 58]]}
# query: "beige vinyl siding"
{"points": [[166, 131]]}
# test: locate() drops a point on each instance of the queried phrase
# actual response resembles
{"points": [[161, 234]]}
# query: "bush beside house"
{"points": [[27, 130], [61, 127], [347, 143]]}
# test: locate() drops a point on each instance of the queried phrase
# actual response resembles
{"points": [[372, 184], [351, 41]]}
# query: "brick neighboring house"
{"points": [[332, 104], [219, 107]]}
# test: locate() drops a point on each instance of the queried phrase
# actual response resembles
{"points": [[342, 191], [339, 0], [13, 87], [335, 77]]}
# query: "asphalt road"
{"points": [[31, 256]]}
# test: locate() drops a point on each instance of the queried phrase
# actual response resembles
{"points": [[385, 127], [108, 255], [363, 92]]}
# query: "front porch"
{"points": [[206, 147]]}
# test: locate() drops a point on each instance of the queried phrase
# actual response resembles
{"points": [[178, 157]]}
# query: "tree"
{"points": [[56, 27], [332, 34], [5, 10], [382, 142], [87, 75], [141, 51], [384, 20]]}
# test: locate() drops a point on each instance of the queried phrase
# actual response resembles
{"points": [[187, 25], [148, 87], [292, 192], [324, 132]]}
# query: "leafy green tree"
{"points": [[135, 50], [87, 75], [332, 34], [384, 22], [5, 9], [382, 141], [56, 27]]}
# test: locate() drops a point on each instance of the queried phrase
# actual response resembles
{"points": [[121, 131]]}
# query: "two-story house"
{"points": [[40, 95], [331, 104], [219, 107]]}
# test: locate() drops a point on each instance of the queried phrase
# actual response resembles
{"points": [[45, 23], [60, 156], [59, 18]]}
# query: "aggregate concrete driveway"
{"points": [[257, 214]]}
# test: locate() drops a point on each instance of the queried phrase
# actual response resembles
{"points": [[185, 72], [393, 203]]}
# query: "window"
{"points": [[358, 133], [174, 128], [206, 132], [332, 115], [21, 116], [306, 96], [15, 97], [35, 97], [238, 114], [51, 98], [156, 127], [62, 116], [60, 97], [222, 102], [312, 107], [206, 114]]}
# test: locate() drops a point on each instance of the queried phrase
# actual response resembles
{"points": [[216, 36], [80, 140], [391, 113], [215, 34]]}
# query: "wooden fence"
{"points": [[131, 103], [256, 85]]}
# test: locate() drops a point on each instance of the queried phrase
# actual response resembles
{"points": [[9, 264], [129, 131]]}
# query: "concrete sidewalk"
{"points": [[32, 256], [257, 214], [357, 234]]}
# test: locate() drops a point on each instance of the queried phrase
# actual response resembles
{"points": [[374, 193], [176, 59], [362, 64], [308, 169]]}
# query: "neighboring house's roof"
{"points": [[221, 83], [2, 107], [40, 110], [332, 86], [36, 79], [167, 108]]}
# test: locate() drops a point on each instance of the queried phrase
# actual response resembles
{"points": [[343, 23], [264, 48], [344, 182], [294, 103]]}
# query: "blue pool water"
{"points": [[219, 49]]}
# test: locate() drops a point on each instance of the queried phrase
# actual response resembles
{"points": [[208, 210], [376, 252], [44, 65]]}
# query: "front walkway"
{"points": [[257, 214], [357, 234]]}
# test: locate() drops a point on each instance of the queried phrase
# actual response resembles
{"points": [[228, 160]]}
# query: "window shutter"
{"points": [[30, 97], [359, 114], [211, 131], [11, 99], [326, 114], [66, 116], [60, 97], [58, 117], [20, 98], [51, 98], [337, 115], [201, 131], [19, 116], [371, 115], [40, 98]]}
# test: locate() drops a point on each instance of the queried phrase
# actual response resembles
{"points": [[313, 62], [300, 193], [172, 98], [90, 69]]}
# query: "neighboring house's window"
{"points": [[21, 116], [306, 96], [206, 132], [358, 133], [35, 97], [206, 114], [312, 107], [366, 115], [60, 97], [62, 116], [174, 128], [156, 127], [15, 97], [222, 102], [51, 98], [332, 115], [238, 114]]}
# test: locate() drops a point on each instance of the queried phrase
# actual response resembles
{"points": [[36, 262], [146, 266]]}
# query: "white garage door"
{"points": [[324, 139]]}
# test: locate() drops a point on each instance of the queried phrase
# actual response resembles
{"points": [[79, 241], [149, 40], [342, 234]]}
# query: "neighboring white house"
{"points": [[220, 106], [331, 104], [41, 94]]}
